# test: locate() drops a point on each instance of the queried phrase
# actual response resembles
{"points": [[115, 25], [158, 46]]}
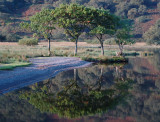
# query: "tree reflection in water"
{"points": [[75, 101]]}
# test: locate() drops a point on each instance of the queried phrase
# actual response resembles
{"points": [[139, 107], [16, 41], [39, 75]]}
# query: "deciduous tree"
{"points": [[103, 23], [73, 19], [123, 37], [42, 24]]}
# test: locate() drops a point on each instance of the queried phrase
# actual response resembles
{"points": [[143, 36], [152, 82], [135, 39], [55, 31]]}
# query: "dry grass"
{"points": [[64, 44], [61, 49]]}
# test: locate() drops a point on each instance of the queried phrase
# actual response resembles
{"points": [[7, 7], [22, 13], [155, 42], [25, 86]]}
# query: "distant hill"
{"points": [[144, 13]]}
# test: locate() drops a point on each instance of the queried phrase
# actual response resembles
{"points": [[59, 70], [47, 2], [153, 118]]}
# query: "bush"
{"points": [[142, 19], [28, 41], [110, 41], [142, 9], [152, 36], [92, 41], [4, 37], [158, 6], [12, 38], [132, 13]]}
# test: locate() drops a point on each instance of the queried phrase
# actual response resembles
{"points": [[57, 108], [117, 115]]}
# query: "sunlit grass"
{"points": [[20, 53], [12, 56], [11, 66]]}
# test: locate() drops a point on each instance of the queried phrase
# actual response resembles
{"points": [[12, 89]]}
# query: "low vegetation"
{"points": [[76, 20], [152, 36], [106, 59], [11, 66], [28, 41], [12, 56]]}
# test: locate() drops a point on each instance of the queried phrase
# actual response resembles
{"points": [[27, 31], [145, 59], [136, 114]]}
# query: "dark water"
{"points": [[112, 93]]}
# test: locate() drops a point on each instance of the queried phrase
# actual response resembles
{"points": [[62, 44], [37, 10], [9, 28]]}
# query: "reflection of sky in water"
{"points": [[142, 104]]}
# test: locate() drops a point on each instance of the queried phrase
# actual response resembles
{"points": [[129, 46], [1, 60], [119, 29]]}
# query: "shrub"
{"points": [[152, 36], [92, 41], [142, 19], [132, 13], [110, 41], [142, 9], [9, 37], [28, 41], [158, 6], [122, 9], [12, 38]]}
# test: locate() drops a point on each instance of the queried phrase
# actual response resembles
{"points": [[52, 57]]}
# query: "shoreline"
{"points": [[41, 69]]}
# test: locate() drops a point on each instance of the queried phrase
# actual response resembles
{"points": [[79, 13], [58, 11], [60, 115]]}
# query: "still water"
{"points": [[113, 93]]}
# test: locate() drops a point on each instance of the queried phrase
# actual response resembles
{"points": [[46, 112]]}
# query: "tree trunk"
{"points": [[75, 53], [101, 42], [102, 48], [121, 49], [49, 47]]}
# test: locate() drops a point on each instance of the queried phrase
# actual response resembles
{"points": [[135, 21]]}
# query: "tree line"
{"points": [[76, 19]]}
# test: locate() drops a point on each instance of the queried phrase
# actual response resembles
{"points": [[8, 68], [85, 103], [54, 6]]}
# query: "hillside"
{"points": [[144, 13]]}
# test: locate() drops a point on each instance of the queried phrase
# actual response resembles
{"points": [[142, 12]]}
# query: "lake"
{"points": [[101, 92]]}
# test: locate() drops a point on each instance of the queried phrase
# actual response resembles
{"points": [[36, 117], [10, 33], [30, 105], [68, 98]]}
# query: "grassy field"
{"points": [[12, 53]]}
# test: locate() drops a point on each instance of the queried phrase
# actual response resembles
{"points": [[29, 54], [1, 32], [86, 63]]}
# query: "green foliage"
{"points": [[72, 102], [9, 37], [142, 19], [132, 8], [73, 19], [105, 59], [103, 23], [110, 41], [12, 38], [13, 65], [152, 36], [42, 23], [123, 36], [92, 41], [10, 58], [142, 9], [158, 6], [132, 13], [28, 41]]}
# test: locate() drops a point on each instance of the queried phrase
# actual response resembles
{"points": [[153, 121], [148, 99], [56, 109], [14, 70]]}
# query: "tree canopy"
{"points": [[73, 19], [123, 35], [103, 23], [42, 24]]}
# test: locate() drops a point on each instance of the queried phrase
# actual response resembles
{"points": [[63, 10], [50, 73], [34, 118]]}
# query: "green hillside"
{"points": [[142, 13]]}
